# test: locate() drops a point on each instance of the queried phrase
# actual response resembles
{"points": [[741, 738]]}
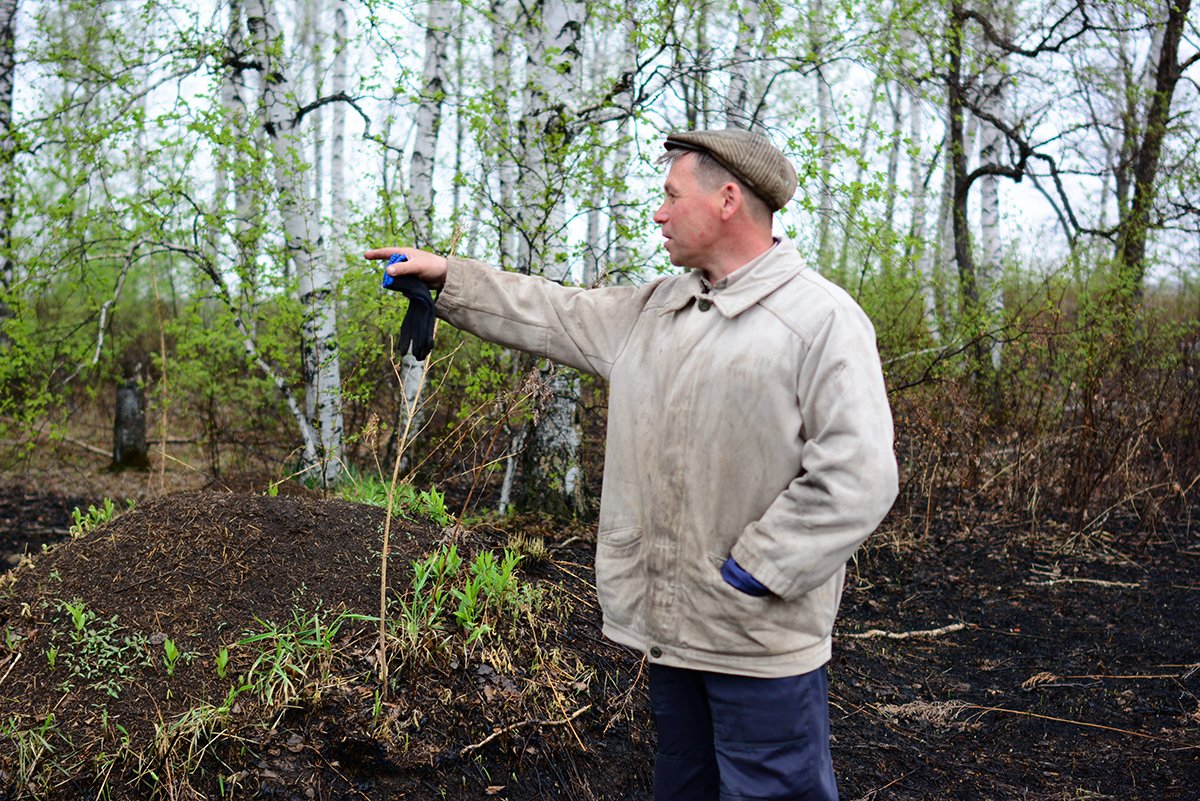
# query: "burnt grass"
{"points": [[976, 661]]}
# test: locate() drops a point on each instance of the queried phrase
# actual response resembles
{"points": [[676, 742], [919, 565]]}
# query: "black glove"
{"points": [[417, 329]]}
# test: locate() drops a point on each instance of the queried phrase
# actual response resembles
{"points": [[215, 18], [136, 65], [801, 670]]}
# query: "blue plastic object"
{"points": [[389, 281]]}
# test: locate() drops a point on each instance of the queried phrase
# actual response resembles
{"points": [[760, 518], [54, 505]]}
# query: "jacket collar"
{"points": [[777, 267]]}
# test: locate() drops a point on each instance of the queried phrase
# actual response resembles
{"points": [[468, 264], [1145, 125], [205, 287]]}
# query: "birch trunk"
{"points": [[317, 282], [887, 248], [918, 191], [824, 126], [991, 142], [624, 200], [553, 471], [429, 120], [8, 69], [738, 113], [496, 161], [421, 167]]}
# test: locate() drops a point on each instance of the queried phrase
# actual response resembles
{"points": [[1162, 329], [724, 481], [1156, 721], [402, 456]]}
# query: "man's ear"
{"points": [[731, 200]]}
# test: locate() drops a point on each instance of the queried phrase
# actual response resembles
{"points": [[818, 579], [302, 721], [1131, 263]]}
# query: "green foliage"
{"points": [[293, 657], [373, 490], [480, 600], [171, 655], [96, 653], [94, 517]]}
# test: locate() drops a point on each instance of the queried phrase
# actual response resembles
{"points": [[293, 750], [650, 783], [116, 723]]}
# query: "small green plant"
{"points": [[52, 656], [223, 662], [97, 653], [93, 518], [296, 655], [33, 747], [171, 655], [422, 612], [373, 491], [79, 613], [432, 504]]}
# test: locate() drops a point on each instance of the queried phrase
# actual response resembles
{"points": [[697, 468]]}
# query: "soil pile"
{"points": [[211, 644]]}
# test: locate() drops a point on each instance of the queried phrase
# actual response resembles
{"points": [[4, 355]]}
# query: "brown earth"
{"points": [[981, 662]]}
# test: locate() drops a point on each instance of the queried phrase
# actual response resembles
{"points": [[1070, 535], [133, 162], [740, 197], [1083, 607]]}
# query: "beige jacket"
{"points": [[752, 422]]}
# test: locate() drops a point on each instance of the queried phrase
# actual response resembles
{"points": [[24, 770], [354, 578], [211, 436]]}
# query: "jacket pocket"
{"points": [[620, 583]]}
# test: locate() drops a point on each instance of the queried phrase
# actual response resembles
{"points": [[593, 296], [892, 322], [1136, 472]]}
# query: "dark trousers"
{"points": [[735, 738]]}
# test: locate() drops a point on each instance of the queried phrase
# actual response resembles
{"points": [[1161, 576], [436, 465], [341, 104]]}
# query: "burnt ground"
{"points": [[977, 662]]}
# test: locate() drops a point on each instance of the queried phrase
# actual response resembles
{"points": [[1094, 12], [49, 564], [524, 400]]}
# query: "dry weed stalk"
{"points": [[409, 413]]}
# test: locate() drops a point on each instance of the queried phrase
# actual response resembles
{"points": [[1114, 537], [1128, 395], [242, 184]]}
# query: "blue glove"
{"points": [[737, 577], [417, 328]]}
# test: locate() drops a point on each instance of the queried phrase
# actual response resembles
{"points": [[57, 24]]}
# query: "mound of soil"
{"points": [[283, 585], [980, 662]]}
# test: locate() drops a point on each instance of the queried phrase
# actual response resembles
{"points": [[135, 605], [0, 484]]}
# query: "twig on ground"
{"points": [[904, 635], [10, 667], [983, 710], [872, 793], [531, 722], [1127, 585]]}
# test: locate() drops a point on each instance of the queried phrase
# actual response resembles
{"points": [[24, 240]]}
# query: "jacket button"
{"points": [[705, 304], [656, 652]]}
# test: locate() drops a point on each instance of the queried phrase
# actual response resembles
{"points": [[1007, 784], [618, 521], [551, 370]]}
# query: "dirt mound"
{"points": [[207, 642]]}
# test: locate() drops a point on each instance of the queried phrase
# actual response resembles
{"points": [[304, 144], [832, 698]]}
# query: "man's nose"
{"points": [[660, 216]]}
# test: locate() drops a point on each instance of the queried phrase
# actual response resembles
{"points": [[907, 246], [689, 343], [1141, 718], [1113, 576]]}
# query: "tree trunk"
{"points": [[130, 450], [429, 120], [553, 472], [738, 112], [1136, 225], [8, 69], [991, 143], [317, 281], [816, 39], [506, 174]]}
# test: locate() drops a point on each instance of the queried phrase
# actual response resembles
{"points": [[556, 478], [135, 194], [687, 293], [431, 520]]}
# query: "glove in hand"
{"points": [[416, 331], [736, 576]]}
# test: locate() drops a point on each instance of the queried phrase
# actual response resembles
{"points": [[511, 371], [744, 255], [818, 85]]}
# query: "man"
{"points": [[749, 453]]}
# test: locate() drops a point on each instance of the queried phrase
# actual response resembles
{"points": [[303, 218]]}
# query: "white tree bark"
{"points": [[495, 159], [896, 100], [317, 280], [738, 110], [623, 201], [553, 472], [918, 192], [824, 132], [429, 119], [991, 142], [8, 70]]}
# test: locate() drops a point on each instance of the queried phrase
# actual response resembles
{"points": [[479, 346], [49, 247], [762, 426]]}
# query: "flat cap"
{"points": [[749, 156]]}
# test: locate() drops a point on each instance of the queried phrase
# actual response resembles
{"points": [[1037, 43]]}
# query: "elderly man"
{"points": [[749, 453]]}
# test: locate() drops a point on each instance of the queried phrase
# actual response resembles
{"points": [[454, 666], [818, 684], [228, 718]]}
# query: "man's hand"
{"points": [[429, 267]]}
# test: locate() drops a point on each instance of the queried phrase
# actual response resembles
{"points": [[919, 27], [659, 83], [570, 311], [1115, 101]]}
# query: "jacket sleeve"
{"points": [[582, 328], [848, 479]]}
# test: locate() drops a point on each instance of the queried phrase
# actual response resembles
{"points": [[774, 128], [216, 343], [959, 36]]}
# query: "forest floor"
{"points": [[976, 661]]}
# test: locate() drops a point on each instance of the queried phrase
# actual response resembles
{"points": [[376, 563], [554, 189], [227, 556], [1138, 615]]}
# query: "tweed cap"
{"points": [[749, 156]]}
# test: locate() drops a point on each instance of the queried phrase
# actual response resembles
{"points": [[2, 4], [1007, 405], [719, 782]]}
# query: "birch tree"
{"points": [[424, 159], [8, 70], [553, 29], [281, 119]]}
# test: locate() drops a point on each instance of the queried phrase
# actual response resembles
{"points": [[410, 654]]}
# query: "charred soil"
{"points": [[979, 663]]}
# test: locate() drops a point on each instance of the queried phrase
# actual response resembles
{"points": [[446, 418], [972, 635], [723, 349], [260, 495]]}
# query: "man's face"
{"points": [[689, 216]]}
